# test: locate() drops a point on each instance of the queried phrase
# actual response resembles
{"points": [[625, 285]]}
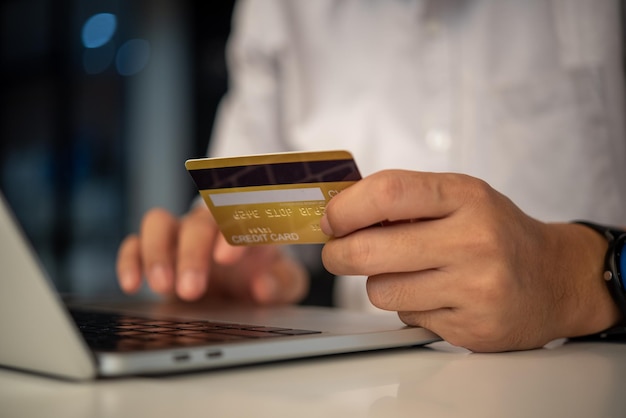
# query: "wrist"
{"points": [[614, 265], [604, 301], [582, 302]]}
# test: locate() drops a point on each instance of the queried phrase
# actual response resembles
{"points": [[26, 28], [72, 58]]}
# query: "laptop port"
{"points": [[213, 354], [182, 357]]}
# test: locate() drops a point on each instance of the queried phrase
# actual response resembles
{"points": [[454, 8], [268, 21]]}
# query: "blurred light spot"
{"points": [[97, 60], [438, 140], [99, 29], [132, 57]]}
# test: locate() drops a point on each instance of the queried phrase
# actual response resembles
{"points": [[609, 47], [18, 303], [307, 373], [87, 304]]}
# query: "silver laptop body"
{"points": [[39, 334]]}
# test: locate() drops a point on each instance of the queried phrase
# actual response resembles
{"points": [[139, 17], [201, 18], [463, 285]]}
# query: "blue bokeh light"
{"points": [[98, 30], [132, 57]]}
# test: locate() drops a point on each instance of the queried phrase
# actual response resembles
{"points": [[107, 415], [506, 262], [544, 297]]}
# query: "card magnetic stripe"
{"points": [[300, 172]]}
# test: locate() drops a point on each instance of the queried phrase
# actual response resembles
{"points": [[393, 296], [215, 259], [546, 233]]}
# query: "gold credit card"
{"points": [[272, 198]]}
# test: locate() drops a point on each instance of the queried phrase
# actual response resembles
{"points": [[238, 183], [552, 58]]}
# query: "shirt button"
{"points": [[438, 140]]}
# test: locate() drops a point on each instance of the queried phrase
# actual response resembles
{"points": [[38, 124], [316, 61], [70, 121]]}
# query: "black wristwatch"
{"points": [[614, 262]]}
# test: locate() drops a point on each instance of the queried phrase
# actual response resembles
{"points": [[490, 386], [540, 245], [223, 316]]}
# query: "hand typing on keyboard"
{"points": [[188, 257]]}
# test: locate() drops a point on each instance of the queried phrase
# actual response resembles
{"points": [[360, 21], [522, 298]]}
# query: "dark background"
{"points": [[88, 145]]}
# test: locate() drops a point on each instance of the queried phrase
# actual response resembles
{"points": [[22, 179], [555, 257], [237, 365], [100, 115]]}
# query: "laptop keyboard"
{"points": [[107, 331]]}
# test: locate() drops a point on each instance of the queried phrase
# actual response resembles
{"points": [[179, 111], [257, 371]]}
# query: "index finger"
{"points": [[193, 254], [200, 247], [395, 195], [158, 239]]}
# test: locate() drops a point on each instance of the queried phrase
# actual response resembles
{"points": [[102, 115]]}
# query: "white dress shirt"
{"points": [[527, 95]]}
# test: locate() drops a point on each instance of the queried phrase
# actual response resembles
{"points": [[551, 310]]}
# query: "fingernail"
{"points": [[325, 225], [190, 285], [159, 279]]}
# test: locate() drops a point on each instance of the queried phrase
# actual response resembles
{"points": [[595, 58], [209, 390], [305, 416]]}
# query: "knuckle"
{"points": [[476, 189], [358, 251], [390, 187], [348, 255], [356, 254], [479, 196]]}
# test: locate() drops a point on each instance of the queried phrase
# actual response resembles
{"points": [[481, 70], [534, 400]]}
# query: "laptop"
{"points": [[47, 334]]}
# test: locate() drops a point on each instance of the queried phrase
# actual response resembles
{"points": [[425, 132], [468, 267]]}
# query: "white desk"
{"points": [[573, 380]]}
